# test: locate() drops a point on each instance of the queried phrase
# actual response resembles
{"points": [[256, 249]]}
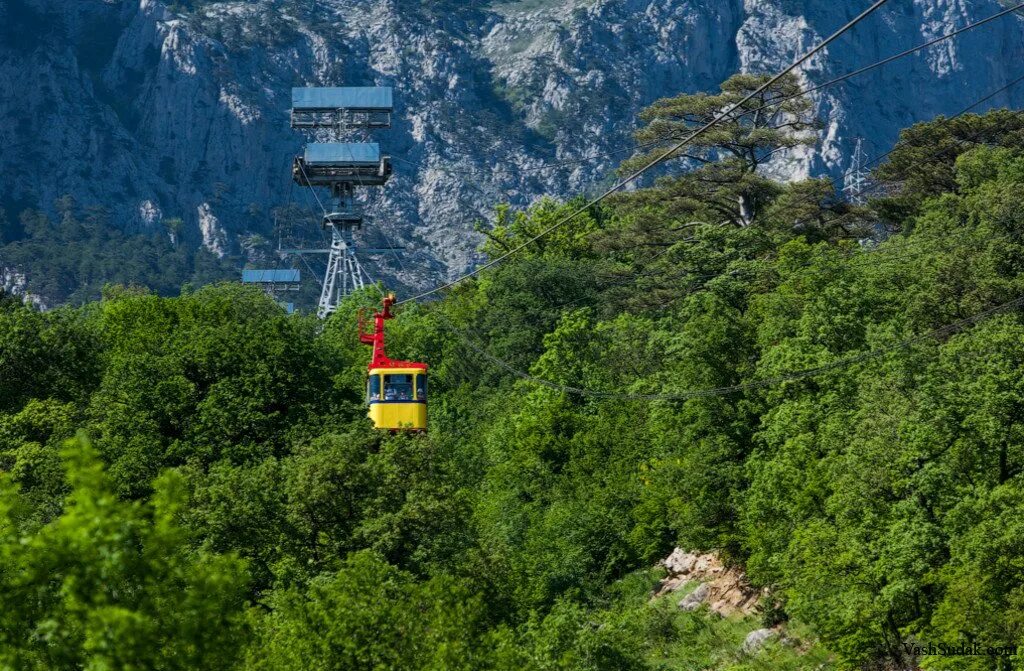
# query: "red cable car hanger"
{"points": [[376, 339]]}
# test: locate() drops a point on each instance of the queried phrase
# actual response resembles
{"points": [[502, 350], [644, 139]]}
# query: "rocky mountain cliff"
{"points": [[178, 110]]}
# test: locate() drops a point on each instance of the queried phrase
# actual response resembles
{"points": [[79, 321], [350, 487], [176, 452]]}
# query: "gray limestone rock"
{"points": [[159, 113], [756, 640], [694, 599]]}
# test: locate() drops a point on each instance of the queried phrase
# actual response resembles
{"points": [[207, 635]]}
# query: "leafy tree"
{"points": [[53, 355], [983, 599], [512, 229], [30, 443], [923, 163], [612, 391], [726, 184], [235, 376], [110, 584], [370, 615]]}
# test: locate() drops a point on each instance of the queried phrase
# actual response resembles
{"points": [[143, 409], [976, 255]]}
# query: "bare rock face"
{"points": [[724, 589], [694, 599], [159, 109], [757, 639], [15, 284]]}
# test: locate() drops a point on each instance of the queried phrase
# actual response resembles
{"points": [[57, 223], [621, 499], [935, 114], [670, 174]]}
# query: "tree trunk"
{"points": [[746, 211]]}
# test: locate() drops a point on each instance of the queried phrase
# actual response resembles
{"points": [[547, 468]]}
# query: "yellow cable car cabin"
{"points": [[396, 391]]}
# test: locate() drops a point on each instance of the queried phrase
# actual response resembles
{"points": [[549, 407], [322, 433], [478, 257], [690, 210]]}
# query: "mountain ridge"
{"points": [[163, 112]]}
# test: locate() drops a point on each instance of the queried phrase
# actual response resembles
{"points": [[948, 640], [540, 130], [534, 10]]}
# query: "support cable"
{"points": [[948, 329], [655, 161], [813, 89], [901, 143], [584, 392], [311, 189]]}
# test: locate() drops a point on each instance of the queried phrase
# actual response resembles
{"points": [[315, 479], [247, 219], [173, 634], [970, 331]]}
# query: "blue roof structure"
{"points": [[290, 276], [343, 153], [356, 98]]}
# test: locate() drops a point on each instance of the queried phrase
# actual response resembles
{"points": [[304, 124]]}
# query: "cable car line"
{"points": [[955, 116], [902, 54], [310, 269], [901, 143], [682, 143], [908, 243], [813, 89], [835, 181], [948, 329], [391, 246], [895, 147], [942, 150], [636, 275], [824, 85], [311, 189], [727, 114], [965, 110], [398, 368], [836, 185]]}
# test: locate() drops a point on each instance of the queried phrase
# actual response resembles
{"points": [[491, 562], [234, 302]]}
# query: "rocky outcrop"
{"points": [[696, 598], [757, 639], [158, 112], [15, 283], [724, 589]]}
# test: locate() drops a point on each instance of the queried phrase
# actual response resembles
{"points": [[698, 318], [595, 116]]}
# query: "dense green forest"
{"points": [[69, 258], [827, 394]]}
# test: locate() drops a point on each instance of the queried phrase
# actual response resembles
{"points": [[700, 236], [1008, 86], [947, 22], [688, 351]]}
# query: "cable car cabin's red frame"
{"points": [[396, 391]]}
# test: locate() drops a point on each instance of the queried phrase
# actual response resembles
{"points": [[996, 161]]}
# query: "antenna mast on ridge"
{"points": [[341, 167]]}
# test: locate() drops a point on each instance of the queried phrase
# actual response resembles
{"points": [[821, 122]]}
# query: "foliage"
{"points": [[70, 260], [370, 615], [923, 163], [112, 584], [843, 420], [726, 183]]}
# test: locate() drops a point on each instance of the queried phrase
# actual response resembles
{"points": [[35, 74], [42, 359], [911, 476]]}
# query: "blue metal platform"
{"points": [[351, 98], [343, 153], [288, 276]]}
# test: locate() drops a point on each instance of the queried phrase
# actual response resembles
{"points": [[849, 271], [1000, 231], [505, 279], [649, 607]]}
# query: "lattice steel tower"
{"points": [[857, 176], [341, 167]]}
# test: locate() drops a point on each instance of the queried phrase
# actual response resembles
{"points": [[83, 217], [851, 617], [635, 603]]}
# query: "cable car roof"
{"points": [[343, 153], [353, 98], [391, 364]]}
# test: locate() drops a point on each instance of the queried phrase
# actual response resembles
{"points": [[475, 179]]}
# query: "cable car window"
{"points": [[373, 388], [421, 387], [398, 387]]}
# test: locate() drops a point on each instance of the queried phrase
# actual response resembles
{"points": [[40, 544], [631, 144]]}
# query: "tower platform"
{"points": [[342, 107], [333, 163]]}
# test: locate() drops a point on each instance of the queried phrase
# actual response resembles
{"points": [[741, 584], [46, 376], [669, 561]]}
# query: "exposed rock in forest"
{"points": [[724, 589], [757, 639]]}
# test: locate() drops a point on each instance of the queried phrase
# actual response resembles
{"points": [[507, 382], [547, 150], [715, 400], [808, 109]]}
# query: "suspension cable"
{"points": [[835, 182], [813, 89], [935, 334], [655, 161], [585, 392], [311, 189], [800, 374]]}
